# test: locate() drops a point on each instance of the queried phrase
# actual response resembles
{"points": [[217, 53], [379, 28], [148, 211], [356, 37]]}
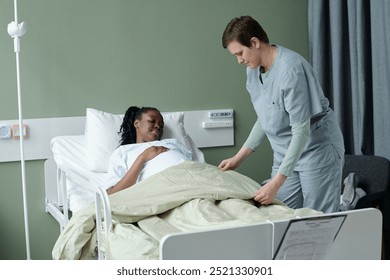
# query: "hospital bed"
{"points": [[80, 161], [200, 221]]}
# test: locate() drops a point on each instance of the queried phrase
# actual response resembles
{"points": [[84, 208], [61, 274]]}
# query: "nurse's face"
{"points": [[150, 127], [248, 56]]}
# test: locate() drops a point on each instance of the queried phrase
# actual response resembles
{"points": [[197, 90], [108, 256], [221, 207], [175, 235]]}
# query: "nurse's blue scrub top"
{"points": [[290, 94]]}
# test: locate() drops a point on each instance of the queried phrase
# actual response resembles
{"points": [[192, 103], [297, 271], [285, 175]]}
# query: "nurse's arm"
{"points": [[300, 135], [267, 193], [255, 138], [235, 161]]}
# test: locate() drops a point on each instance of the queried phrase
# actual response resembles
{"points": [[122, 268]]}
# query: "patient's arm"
{"points": [[132, 174]]}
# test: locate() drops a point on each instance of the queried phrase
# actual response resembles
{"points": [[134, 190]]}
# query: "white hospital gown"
{"points": [[123, 158]]}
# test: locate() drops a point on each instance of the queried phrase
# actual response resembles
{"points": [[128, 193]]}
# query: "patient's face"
{"points": [[150, 127]]}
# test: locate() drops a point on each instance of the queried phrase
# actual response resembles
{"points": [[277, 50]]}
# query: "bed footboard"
{"points": [[359, 238]]}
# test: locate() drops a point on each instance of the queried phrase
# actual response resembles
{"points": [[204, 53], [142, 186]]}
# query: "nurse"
{"points": [[293, 113]]}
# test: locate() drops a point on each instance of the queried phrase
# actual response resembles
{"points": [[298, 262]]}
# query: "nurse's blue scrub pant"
{"points": [[318, 189]]}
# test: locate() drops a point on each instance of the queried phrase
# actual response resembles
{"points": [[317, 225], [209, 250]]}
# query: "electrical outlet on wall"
{"points": [[5, 131], [16, 132]]}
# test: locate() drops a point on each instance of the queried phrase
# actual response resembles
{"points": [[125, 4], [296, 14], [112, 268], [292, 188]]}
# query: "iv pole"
{"points": [[17, 30]]}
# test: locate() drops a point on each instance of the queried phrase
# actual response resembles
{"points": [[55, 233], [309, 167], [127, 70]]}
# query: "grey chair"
{"points": [[373, 173]]}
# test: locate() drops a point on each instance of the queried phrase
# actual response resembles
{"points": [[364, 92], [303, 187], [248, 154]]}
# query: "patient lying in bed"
{"points": [[124, 157], [141, 153]]}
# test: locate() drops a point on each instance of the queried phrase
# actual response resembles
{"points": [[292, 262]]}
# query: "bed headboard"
{"points": [[207, 128]]}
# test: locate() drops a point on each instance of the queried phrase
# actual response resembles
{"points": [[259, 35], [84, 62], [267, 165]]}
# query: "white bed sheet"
{"points": [[69, 153]]}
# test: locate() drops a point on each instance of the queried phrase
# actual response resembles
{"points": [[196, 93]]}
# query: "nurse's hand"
{"points": [[229, 164], [234, 162], [267, 193]]}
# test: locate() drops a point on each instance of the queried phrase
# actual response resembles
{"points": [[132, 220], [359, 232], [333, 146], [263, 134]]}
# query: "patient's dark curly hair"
{"points": [[127, 129]]}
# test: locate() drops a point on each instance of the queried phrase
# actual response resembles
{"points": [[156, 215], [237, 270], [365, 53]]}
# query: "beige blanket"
{"points": [[187, 197]]}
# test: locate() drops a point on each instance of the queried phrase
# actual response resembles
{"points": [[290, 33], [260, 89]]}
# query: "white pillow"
{"points": [[101, 129]]}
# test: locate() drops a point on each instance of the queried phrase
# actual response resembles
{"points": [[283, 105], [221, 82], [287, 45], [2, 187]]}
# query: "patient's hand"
{"points": [[132, 174], [152, 152]]}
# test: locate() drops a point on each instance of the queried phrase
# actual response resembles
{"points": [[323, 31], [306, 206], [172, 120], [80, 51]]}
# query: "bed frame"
{"points": [[262, 240], [255, 241]]}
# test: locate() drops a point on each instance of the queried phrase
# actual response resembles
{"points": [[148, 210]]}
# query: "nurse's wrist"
{"points": [[279, 179]]}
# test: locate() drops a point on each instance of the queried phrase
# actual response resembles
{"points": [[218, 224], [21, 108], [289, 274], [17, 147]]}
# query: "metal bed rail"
{"points": [[103, 221]]}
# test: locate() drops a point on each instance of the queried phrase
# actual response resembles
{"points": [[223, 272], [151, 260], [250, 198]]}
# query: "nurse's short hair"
{"points": [[243, 29]]}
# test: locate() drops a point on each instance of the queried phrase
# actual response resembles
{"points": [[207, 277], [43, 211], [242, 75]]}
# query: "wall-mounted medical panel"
{"points": [[41, 131]]}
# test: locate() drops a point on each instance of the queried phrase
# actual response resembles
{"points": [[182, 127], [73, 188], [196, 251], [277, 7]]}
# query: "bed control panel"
{"points": [[217, 124], [210, 128], [219, 119]]}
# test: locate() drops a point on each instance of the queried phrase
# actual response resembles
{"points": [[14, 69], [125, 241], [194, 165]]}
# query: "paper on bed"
{"points": [[185, 197]]}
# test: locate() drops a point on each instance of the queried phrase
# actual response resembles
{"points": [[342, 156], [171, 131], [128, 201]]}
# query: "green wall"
{"points": [[109, 54]]}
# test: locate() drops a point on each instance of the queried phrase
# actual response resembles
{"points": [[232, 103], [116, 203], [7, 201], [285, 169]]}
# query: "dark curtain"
{"points": [[350, 52]]}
